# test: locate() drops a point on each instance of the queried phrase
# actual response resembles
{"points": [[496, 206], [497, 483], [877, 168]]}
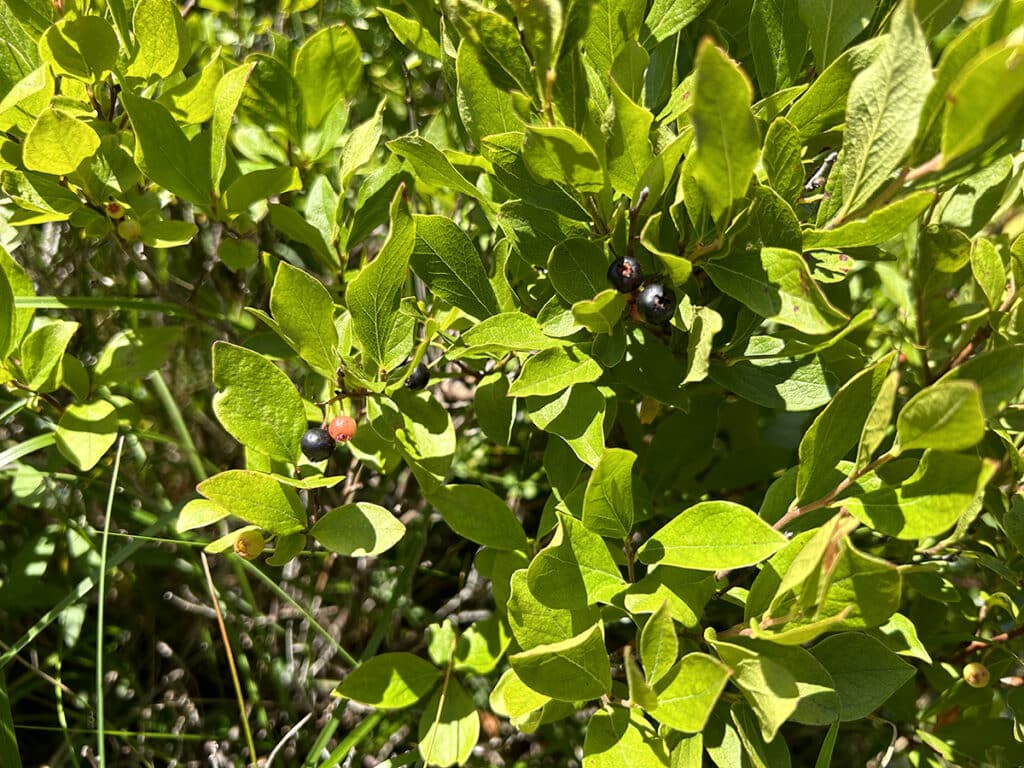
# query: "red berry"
{"points": [[342, 428]]}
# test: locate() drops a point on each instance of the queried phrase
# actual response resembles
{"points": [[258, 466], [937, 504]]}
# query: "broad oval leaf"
{"points": [[573, 669], [688, 692], [448, 262], [864, 671], [257, 403], [390, 681], [711, 536], [256, 498], [359, 530], [946, 416], [479, 515]]}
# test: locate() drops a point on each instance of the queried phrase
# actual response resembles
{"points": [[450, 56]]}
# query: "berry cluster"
{"points": [[656, 302], [318, 443]]}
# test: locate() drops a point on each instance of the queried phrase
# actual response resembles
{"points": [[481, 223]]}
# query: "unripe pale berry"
{"points": [[129, 229], [249, 544], [976, 675]]}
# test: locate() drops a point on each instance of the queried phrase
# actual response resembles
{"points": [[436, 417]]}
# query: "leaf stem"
{"points": [[824, 501]]}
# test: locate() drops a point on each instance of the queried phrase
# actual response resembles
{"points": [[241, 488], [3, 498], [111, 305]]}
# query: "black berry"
{"points": [[317, 444], [418, 378], [656, 303], [625, 274]]}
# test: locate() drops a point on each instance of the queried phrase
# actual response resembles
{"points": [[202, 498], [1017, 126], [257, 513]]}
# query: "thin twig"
{"points": [[231, 660]]}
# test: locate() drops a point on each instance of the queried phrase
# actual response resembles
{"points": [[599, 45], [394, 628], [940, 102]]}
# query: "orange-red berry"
{"points": [[342, 428]]}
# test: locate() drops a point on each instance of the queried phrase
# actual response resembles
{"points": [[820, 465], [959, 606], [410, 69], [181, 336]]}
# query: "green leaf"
{"points": [[163, 153], [259, 185], [622, 738], [781, 155], [833, 24], [373, 296], [449, 726], [287, 548], [482, 646], [727, 141], [688, 692], [711, 536], [358, 530], [433, 167], [659, 644], [84, 48], [198, 513], [628, 149], [823, 105], [575, 569], [778, 42], [495, 410], [947, 415], [998, 372], [876, 425], [477, 514], [759, 751], [551, 371], [131, 354], [447, 261], [984, 102], [864, 671], [686, 592], [862, 590], [485, 108], [161, 39], [988, 270], [500, 334], [42, 353], [608, 504], [360, 146], [577, 416], [777, 285], [574, 669], [304, 311], [327, 69], [8, 339], [86, 431], [817, 702], [767, 685], [563, 157], [500, 40], [58, 143], [535, 624], [787, 383], [944, 487], [602, 313], [411, 33], [704, 327], [883, 109], [191, 101], [612, 23], [425, 435], [165, 233], [900, 636], [390, 681], [505, 152], [14, 321], [512, 698], [880, 225], [258, 499], [226, 98], [577, 269], [257, 403], [836, 430], [667, 17], [8, 740]]}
